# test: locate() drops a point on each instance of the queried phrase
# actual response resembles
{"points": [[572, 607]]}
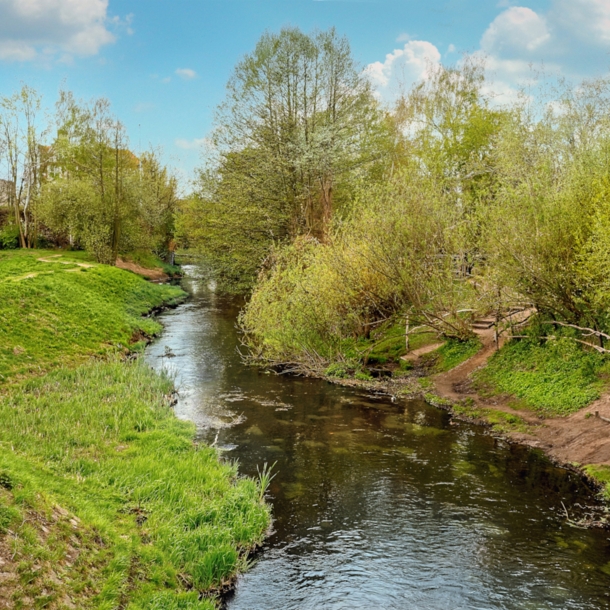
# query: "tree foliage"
{"points": [[481, 209], [72, 179], [298, 129]]}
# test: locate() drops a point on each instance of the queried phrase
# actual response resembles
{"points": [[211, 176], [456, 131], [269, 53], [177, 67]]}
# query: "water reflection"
{"points": [[380, 505]]}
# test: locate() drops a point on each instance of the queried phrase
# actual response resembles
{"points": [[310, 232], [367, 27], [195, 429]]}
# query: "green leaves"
{"points": [[297, 131]]}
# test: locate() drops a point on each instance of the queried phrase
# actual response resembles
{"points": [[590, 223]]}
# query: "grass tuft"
{"points": [[450, 354]]}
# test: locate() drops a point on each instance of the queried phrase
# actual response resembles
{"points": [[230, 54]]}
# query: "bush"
{"points": [[9, 237]]}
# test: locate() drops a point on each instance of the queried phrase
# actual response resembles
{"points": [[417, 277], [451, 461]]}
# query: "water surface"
{"points": [[379, 504]]}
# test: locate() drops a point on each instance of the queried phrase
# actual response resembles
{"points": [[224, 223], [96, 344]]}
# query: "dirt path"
{"points": [[580, 438], [55, 259], [451, 384], [154, 275], [413, 355]]}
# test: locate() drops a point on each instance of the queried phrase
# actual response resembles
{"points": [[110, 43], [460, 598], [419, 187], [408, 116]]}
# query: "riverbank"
{"points": [[579, 440], [106, 499], [374, 497]]}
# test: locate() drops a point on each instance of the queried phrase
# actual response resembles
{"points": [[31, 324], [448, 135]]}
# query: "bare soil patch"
{"points": [[154, 275], [414, 355], [580, 438]]}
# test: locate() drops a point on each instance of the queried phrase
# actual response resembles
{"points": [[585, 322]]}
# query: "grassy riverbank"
{"points": [[106, 501], [539, 391]]}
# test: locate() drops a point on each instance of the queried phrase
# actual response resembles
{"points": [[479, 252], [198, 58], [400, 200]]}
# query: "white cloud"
{"points": [[186, 73], [587, 20], [403, 67], [571, 39], [195, 144], [31, 28], [451, 48], [516, 31]]}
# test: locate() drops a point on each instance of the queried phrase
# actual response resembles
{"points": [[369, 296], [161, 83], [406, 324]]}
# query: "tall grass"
{"points": [[106, 500], [102, 442]]}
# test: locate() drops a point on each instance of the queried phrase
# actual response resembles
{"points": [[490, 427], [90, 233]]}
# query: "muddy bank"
{"points": [[575, 441], [155, 274]]}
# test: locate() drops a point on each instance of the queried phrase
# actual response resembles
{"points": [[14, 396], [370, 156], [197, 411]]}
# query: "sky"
{"points": [[164, 64]]}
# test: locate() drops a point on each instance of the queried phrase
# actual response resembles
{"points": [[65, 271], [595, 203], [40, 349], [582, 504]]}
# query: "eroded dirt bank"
{"points": [[580, 438]]}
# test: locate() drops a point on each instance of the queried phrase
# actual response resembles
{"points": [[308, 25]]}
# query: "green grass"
{"points": [[500, 421], [57, 313], [106, 500], [602, 475], [556, 377], [158, 514], [450, 354]]}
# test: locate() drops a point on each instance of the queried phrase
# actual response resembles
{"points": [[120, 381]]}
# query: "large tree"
{"points": [[298, 128], [22, 155]]}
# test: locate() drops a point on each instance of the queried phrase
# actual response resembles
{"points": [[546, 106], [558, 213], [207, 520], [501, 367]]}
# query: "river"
{"points": [[379, 504]]}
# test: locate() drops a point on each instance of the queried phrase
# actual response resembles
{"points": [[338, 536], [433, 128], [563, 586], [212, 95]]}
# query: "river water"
{"points": [[379, 504]]}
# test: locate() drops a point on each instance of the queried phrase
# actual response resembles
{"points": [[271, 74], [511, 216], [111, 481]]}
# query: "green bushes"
{"points": [[9, 237], [337, 369]]}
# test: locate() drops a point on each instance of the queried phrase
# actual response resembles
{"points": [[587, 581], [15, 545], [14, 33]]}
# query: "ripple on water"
{"points": [[379, 504]]}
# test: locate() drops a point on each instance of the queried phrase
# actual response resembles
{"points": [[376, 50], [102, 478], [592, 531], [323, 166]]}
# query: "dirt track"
{"points": [[579, 438], [154, 275]]}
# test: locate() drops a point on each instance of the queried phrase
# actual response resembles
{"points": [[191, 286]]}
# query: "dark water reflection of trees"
{"points": [[381, 504]]}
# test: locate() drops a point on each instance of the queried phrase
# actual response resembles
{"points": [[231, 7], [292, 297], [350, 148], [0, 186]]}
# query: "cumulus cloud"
{"points": [[516, 31], [570, 39], [29, 28], [186, 73], [402, 68]]}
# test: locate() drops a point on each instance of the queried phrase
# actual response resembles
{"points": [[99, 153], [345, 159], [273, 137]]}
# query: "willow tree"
{"points": [[298, 127]]}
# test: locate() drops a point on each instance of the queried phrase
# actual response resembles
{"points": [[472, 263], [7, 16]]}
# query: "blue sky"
{"points": [[164, 64]]}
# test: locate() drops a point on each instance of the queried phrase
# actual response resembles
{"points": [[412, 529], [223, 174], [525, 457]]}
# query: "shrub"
{"points": [[9, 237]]}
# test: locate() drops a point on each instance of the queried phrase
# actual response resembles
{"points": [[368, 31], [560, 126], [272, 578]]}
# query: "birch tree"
{"points": [[22, 155]]}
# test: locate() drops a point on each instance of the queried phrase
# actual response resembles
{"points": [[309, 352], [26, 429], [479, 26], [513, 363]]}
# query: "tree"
{"points": [[22, 153], [298, 129], [91, 159]]}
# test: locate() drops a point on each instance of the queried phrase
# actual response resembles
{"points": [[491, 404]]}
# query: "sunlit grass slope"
{"points": [[106, 500], [64, 308], [554, 378]]}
